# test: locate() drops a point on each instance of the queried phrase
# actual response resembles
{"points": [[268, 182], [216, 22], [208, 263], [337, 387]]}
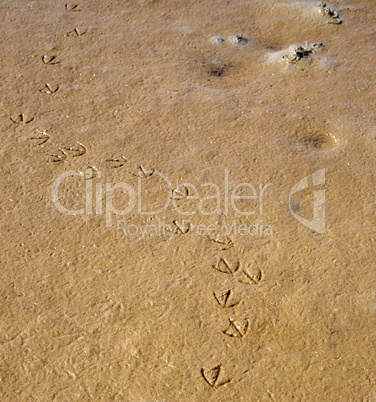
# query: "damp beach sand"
{"points": [[187, 204]]}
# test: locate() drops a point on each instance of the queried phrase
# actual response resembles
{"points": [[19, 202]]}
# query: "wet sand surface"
{"points": [[139, 91]]}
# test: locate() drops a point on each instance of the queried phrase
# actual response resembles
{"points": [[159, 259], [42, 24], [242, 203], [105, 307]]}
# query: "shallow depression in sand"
{"points": [[300, 134]]}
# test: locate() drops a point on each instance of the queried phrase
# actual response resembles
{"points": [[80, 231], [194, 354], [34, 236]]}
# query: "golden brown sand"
{"points": [[154, 307]]}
